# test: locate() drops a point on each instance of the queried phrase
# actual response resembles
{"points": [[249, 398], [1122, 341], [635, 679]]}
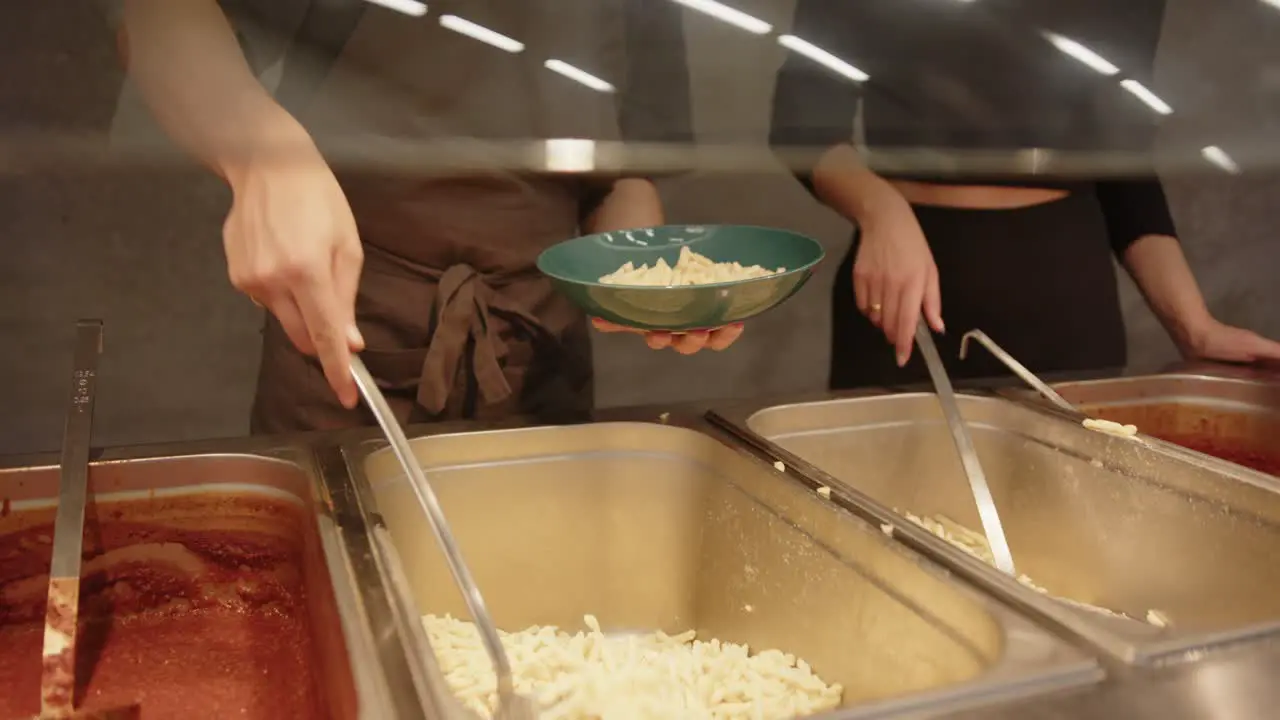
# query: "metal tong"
{"points": [[982, 497], [62, 614], [511, 705], [1018, 368]]}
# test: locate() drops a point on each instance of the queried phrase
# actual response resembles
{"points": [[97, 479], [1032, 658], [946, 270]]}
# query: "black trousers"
{"points": [[1039, 280]]}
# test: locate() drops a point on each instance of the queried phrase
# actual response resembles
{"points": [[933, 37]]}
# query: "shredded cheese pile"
{"points": [[976, 545], [690, 269], [590, 676]]}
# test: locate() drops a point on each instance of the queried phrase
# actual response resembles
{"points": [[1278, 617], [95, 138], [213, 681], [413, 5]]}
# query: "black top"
{"points": [[982, 75]]}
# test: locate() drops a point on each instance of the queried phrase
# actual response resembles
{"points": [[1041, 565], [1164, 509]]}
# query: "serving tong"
{"points": [[1016, 367], [991, 525], [511, 705], [62, 614]]}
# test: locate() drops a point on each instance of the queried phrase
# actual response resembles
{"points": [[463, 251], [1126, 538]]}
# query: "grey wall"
{"points": [[141, 249]]}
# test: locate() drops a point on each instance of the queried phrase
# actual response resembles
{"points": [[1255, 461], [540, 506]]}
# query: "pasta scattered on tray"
{"points": [[976, 545], [690, 269], [591, 675], [1111, 428]]}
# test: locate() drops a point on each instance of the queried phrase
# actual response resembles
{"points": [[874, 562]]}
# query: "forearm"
{"points": [[632, 203], [186, 60], [846, 185], [1159, 267]]}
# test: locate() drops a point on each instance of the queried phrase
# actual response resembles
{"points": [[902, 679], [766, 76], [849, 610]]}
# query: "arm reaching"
{"points": [[290, 239], [1160, 269], [1142, 234], [185, 58], [895, 279]]}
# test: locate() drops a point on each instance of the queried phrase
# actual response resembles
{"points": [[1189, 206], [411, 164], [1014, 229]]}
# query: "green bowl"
{"points": [[577, 265]]}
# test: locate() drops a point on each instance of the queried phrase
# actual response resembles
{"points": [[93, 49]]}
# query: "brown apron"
{"points": [[457, 319]]}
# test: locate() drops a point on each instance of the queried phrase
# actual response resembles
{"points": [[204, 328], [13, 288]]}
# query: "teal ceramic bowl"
{"points": [[577, 265]]}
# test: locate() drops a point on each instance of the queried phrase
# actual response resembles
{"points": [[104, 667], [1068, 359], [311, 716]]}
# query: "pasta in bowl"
{"points": [[682, 277]]}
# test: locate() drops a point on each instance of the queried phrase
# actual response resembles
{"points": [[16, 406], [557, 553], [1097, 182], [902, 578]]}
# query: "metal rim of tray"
{"points": [[1029, 398], [417, 652]]}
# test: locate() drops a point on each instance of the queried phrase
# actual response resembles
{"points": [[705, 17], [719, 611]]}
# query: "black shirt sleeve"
{"points": [[1132, 209], [813, 107], [1136, 206]]}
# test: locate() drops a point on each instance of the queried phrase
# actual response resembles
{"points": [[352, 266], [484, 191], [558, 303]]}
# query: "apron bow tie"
{"points": [[464, 308]]}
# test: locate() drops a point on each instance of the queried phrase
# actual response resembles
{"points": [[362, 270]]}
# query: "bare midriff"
{"points": [[975, 197]]}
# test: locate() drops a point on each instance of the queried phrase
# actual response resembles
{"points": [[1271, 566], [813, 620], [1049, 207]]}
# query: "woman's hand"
{"points": [[292, 247], [684, 343], [1162, 273], [895, 279], [1218, 341]]}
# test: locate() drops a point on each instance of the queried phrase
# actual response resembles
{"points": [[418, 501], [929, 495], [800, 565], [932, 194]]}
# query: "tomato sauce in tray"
{"points": [[1229, 449], [1244, 438], [192, 608]]}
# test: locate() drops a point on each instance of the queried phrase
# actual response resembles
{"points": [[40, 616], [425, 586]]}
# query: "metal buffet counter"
{"points": [[782, 525]]}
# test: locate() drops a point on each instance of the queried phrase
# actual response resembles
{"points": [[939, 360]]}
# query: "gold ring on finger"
{"points": [[876, 307]]}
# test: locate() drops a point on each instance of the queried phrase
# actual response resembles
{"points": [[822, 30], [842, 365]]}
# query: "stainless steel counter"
{"points": [[660, 518]]}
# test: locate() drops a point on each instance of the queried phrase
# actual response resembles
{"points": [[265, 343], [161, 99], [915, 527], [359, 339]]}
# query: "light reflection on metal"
{"points": [[475, 31], [1034, 159], [1219, 157], [1082, 54], [578, 75], [822, 57], [571, 155], [44, 151], [408, 7], [729, 15], [1149, 98]]}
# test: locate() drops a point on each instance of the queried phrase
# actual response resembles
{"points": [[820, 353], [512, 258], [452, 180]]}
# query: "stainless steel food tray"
{"points": [[342, 596], [1236, 415], [1120, 523], [660, 527]]}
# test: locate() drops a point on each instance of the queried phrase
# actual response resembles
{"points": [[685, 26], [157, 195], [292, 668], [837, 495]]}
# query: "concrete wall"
{"points": [[140, 247]]}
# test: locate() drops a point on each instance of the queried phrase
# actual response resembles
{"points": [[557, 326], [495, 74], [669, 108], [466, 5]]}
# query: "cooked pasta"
{"points": [[1111, 428], [690, 269], [593, 676], [967, 540], [976, 545]]}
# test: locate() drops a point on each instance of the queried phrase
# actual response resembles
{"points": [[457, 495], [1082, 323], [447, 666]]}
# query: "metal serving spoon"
{"points": [[511, 705], [982, 497]]}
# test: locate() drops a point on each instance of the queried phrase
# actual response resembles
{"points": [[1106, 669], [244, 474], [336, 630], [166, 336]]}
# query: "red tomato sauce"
{"points": [[1250, 457], [188, 623]]}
